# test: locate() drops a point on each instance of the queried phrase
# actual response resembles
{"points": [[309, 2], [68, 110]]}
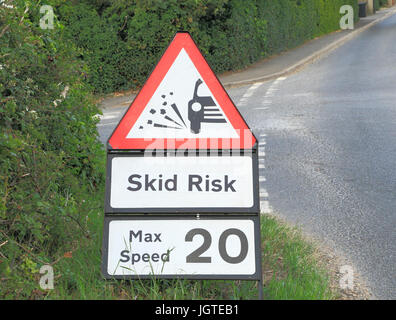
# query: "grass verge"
{"points": [[290, 271]]}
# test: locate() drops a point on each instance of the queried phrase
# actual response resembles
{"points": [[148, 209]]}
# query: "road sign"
{"points": [[182, 190], [182, 104], [208, 248], [191, 184]]}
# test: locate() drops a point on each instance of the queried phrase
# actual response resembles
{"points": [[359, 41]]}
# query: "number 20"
{"points": [[195, 256]]}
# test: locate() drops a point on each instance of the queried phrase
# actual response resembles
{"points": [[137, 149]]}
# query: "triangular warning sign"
{"points": [[182, 105]]}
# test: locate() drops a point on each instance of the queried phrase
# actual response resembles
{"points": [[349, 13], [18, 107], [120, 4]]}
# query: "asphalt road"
{"points": [[328, 150]]}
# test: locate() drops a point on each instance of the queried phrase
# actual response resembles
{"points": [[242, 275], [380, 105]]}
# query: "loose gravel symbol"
{"points": [[200, 109], [164, 116]]}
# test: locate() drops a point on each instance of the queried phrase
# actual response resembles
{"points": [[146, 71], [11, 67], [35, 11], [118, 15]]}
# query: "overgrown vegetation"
{"points": [[380, 3], [122, 40], [50, 160], [290, 270]]}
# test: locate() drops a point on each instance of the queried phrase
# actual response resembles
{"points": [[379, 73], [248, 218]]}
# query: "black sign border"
{"points": [[257, 276], [207, 210]]}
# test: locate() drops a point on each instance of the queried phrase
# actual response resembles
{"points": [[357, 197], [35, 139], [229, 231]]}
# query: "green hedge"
{"points": [[123, 40], [380, 3], [51, 164]]}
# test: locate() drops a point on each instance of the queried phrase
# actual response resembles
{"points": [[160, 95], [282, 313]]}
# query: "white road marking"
{"points": [[109, 115], [270, 93], [305, 94], [263, 194], [107, 124], [249, 92], [265, 207]]}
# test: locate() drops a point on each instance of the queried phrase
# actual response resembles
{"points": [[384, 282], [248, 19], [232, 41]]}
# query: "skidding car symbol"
{"points": [[202, 109]]}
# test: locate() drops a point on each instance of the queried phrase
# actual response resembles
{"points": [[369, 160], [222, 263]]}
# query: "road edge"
{"points": [[313, 57], [330, 260]]}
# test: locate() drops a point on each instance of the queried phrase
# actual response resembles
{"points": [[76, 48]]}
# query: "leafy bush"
{"points": [[50, 160], [123, 40], [380, 3]]}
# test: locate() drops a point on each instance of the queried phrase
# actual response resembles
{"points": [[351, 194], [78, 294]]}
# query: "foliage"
{"points": [[291, 270], [50, 160], [380, 3], [122, 40]]}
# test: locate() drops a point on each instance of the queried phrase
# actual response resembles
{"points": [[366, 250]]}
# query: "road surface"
{"points": [[328, 150]]}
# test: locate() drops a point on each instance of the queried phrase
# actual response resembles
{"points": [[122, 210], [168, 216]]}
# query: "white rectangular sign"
{"points": [[181, 182], [180, 247]]}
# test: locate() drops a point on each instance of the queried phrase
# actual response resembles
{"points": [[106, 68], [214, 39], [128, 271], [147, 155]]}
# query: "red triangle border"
{"points": [[182, 40]]}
